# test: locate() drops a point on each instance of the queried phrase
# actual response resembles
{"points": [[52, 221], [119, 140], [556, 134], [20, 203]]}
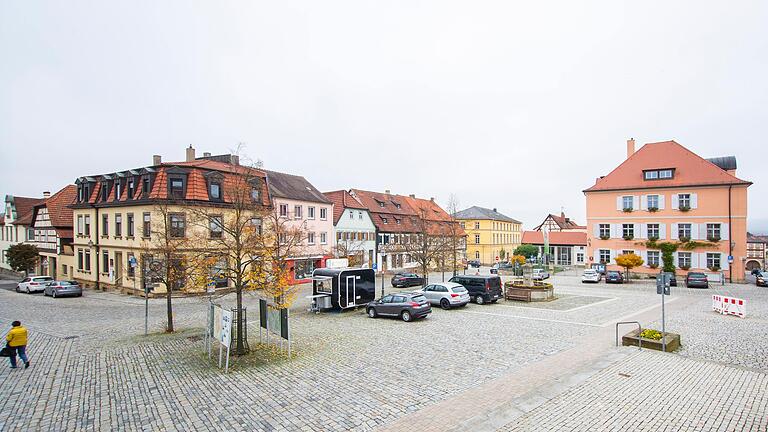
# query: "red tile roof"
{"points": [[559, 238], [690, 170], [342, 200], [24, 207], [58, 207]]}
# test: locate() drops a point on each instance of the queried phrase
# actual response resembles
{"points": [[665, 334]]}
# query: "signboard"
{"points": [[284, 323], [274, 321], [263, 313], [337, 263], [226, 328], [217, 323], [730, 259], [662, 283], [374, 266]]}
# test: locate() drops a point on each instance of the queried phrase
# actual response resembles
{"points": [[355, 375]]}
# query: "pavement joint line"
{"points": [[533, 318]]}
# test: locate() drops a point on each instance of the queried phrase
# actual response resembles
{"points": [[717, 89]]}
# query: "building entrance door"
{"points": [[118, 267]]}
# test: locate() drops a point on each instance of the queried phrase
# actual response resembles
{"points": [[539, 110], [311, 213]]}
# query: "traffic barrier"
{"points": [[729, 306]]}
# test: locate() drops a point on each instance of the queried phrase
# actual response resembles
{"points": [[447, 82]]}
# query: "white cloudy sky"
{"points": [[517, 105]]}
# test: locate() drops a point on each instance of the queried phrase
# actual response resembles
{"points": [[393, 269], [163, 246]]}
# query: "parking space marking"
{"points": [[639, 312], [532, 318]]}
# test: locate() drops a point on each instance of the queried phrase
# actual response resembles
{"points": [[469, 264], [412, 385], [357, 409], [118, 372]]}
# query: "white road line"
{"points": [[563, 310], [533, 319], [641, 311]]}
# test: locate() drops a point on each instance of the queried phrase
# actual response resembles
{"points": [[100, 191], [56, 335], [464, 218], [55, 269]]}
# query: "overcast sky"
{"points": [[517, 105]]}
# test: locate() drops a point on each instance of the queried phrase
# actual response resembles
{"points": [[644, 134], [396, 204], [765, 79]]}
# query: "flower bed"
{"points": [[651, 339]]}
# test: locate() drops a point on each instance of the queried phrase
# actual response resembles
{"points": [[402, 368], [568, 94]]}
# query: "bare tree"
{"points": [[165, 256], [455, 232], [427, 244]]}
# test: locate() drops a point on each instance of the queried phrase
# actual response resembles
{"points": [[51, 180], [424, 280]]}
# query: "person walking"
{"points": [[17, 342]]}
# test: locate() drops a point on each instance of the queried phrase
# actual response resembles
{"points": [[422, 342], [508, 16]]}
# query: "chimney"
{"points": [[412, 196], [494, 210], [432, 199], [46, 194], [562, 214], [206, 154], [386, 191], [157, 160], [190, 153], [630, 147], [234, 159]]}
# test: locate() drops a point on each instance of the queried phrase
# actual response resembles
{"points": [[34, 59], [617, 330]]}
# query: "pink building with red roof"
{"points": [[665, 193]]}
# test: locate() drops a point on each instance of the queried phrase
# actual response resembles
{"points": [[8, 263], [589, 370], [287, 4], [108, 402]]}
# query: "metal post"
{"points": [[663, 321], [382, 281], [146, 307], [226, 367], [221, 346], [289, 333]]}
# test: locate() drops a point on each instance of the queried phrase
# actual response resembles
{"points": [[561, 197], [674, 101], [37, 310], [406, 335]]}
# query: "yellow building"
{"points": [[490, 234]]}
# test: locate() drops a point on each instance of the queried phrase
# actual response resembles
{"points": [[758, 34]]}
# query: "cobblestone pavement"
{"points": [[350, 372], [652, 391]]}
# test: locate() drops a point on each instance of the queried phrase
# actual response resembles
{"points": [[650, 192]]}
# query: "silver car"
{"points": [[63, 288], [446, 294], [33, 284]]}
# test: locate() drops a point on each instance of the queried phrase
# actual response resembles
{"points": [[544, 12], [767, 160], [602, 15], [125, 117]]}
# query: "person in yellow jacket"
{"points": [[17, 342]]}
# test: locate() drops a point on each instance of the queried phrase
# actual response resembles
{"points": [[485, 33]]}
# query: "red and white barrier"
{"points": [[729, 306]]}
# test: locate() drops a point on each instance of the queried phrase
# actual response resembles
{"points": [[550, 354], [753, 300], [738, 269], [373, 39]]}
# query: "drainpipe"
{"points": [[730, 238], [96, 244]]}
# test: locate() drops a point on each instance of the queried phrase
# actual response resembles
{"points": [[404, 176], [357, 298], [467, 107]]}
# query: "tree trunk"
{"points": [[169, 309]]}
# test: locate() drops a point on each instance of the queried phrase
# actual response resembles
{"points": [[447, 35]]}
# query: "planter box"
{"points": [[632, 339]]}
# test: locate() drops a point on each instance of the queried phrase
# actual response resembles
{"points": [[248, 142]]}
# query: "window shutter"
{"points": [[695, 231], [695, 261], [675, 258], [614, 254], [619, 205], [662, 231], [644, 256], [675, 203], [643, 202], [694, 200], [643, 231], [702, 260], [635, 202], [636, 229], [673, 234], [724, 231], [724, 261], [596, 231], [661, 202]]}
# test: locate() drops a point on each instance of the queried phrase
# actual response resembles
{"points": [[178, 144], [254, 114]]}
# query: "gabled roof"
{"points": [[482, 213], [556, 238], [24, 207], [293, 187], [756, 238], [342, 200], [58, 207], [690, 170], [561, 221]]}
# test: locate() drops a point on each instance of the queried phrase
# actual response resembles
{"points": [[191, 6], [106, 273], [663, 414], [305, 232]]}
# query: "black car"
{"points": [[474, 263], [481, 288], [696, 280], [406, 306], [403, 280], [613, 276], [756, 272], [761, 279]]}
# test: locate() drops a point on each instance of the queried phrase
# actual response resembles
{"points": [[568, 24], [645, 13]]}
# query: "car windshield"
{"points": [[419, 298], [613, 273], [42, 279]]}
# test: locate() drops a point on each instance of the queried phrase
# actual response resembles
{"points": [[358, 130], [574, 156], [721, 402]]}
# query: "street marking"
{"points": [[533, 319], [565, 310], [641, 311]]}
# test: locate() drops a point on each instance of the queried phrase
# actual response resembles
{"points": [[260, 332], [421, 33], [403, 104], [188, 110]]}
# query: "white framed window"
{"points": [[297, 212], [351, 214], [628, 231], [477, 225], [684, 231], [653, 231], [713, 261], [310, 238], [665, 174], [653, 258], [80, 225], [684, 260], [604, 256], [653, 201], [713, 231], [310, 212], [627, 202], [477, 238], [360, 215], [477, 254], [323, 213], [283, 210], [605, 230], [323, 238], [684, 200]]}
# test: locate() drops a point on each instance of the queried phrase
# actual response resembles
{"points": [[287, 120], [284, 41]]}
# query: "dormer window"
{"points": [[104, 191], [176, 187], [214, 191], [118, 189], [131, 188], [255, 193], [145, 185], [662, 174]]}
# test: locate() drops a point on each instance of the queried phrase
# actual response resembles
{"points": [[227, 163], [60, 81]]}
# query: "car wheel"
{"points": [[479, 300], [372, 312], [494, 301], [28, 291], [17, 289], [445, 304], [406, 316]]}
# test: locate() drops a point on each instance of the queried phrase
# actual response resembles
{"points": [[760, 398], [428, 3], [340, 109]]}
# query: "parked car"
{"points": [[540, 274], [63, 288], [501, 265], [403, 280], [756, 272], [613, 276], [474, 263], [33, 284], [761, 279], [696, 280], [673, 280], [406, 306], [445, 294], [481, 288], [591, 275]]}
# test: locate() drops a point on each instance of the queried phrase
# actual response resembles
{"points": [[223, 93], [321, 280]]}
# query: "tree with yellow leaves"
{"points": [[629, 261]]}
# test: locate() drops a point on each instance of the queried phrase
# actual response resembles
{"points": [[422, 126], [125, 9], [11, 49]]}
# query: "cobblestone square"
{"points": [[92, 369]]}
